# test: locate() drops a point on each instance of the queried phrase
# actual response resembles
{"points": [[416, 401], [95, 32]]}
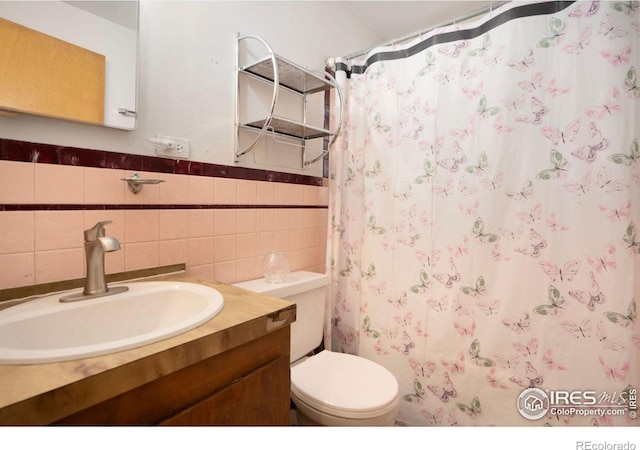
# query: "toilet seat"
{"points": [[343, 385]]}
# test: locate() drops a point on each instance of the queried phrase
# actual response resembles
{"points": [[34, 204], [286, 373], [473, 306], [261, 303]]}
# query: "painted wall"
{"points": [[186, 82], [220, 225]]}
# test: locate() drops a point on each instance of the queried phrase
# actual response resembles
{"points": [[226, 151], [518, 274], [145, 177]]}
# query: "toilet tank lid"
{"points": [[294, 283]]}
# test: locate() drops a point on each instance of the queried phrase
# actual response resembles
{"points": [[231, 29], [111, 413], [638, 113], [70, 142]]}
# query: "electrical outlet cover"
{"points": [[180, 149]]}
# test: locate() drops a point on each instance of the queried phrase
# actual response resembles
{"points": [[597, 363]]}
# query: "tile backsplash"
{"points": [[218, 220]]}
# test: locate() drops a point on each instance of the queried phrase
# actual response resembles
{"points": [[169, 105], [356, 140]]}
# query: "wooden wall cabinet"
{"points": [[47, 76], [246, 385]]}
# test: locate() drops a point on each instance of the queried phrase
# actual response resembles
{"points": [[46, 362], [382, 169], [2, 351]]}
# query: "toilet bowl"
{"points": [[329, 388], [343, 390]]}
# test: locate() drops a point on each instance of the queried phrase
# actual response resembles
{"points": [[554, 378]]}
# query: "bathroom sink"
{"points": [[46, 330]]}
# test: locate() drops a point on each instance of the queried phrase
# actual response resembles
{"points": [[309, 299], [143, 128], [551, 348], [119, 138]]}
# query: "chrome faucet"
{"points": [[96, 244]]}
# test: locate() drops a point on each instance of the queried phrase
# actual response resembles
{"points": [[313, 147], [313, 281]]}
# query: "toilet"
{"points": [[329, 388]]}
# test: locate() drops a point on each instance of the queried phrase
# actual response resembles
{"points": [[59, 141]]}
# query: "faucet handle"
{"points": [[96, 231]]}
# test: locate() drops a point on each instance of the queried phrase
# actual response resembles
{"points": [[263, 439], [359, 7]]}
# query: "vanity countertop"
{"points": [[43, 393]]}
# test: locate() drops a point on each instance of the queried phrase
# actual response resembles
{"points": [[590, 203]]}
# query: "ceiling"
{"points": [[395, 19], [122, 12]]}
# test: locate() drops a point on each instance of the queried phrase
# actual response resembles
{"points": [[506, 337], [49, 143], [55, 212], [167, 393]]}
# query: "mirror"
{"points": [[105, 30]]}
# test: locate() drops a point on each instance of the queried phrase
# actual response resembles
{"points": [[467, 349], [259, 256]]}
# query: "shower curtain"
{"points": [[485, 216]]}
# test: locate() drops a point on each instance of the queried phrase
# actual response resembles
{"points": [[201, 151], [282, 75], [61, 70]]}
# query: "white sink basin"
{"points": [[46, 330]]}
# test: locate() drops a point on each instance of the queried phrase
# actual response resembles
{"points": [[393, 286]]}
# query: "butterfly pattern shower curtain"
{"points": [[485, 215]]}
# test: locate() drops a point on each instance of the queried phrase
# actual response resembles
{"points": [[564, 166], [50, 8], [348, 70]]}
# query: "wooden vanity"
{"points": [[232, 370]]}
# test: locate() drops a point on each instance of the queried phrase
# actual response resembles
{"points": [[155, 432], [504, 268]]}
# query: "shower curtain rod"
{"points": [[461, 18]]}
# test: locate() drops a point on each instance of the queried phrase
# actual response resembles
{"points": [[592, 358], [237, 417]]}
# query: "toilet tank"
{"points": [[308, 291]]}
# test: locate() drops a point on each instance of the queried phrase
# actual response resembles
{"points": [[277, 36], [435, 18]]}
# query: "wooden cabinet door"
{"points": [[246, 385], [260, 398], [47, 76]]}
